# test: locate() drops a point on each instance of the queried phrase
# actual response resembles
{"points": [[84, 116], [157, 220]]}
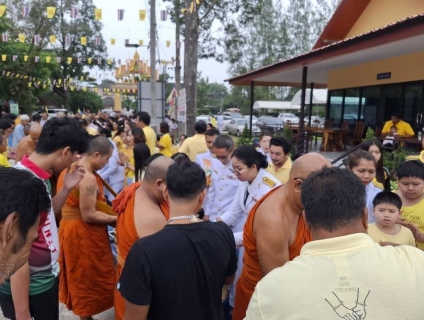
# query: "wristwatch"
{"points": [[126, 164]]}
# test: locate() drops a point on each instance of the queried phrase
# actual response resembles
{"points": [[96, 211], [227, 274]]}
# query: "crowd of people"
{"points": [[101, 212]]}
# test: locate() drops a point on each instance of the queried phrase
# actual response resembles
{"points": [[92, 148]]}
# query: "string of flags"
{"points": [[48, 59], [98, 12]]}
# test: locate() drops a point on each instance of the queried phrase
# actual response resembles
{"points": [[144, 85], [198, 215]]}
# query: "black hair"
{"points": [[36, 117], [25, 194], [356, 157], [333, 198], [224, 142], [101, 145], [210, 125], [212, 132], [141, 154], [132, 125], [387, 197], [118, 132], [410, 169], [183, 135], [281, 142], [200, 127], [143, 116], [379, 172], [266, 134], [164, 127], [185, 180], [105, 132], [59, 133], [179, 156], [139, 135], [396, 115], [9, 116], [5, 124], [2, 136], [249, 156]]}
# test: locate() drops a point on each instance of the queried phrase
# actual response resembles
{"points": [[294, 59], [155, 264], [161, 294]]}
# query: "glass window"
{"points": [[351, 106], [370, 100], [393, 101], [413, 105], [336, 102]]}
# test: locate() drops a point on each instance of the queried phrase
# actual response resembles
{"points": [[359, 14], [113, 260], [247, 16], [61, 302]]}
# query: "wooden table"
{"points": [[332, 139], [417, 144]]}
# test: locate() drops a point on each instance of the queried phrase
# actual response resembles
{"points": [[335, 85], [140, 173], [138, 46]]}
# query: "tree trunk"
{"points": [[181, 125], [153, 61], [191, 42]]}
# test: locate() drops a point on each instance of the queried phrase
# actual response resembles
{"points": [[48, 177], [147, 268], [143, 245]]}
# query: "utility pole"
{"points": [[177, 6], [153, 60]]}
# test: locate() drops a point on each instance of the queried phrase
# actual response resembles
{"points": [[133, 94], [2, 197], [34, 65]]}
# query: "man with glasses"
{"points": [[274, 231], [223, 180]]}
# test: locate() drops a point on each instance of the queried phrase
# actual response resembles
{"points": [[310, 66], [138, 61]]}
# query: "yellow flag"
{"points": [[48, 59], [192, 7], [59, 81], [168, 43], [51, 12], [3, 57], [29, 84], [89, 60], [25, 58], [140, 42], [112, 41], [142, 15], [98, 14], [21, 37], [109, 61], [2, 10], [52, 39], [69, 60], [84, 41], [84, 89]]}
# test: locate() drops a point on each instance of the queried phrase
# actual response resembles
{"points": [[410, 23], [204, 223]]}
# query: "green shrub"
{"points": [[245, 137]]}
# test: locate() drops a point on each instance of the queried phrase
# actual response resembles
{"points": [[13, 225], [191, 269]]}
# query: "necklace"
{"points": [[192, 218]]}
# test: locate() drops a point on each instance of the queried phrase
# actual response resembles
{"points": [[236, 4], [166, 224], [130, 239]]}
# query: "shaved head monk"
{"points": [[87, 270], [142, 211], [275, 231], [27, 145]]}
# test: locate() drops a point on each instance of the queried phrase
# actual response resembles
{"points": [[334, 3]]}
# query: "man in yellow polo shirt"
{"points": [[404, 129], [143, 121], [281, 163], [196, 144]]}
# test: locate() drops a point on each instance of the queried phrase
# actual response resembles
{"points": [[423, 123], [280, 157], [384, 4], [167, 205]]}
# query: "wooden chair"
{"points": [[357, 134], [327, 125], [345, 126]]}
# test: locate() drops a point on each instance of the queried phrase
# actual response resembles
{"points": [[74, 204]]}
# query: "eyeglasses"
{"points": [[222, 157]]}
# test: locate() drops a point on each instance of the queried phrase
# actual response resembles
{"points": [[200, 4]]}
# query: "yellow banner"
{"points": [[109, 61], [25, 58], [69, 60], [112, 41], [2, 10], [51, 12], [168, 43], [98, 14], [140, 42], [21, 37], [48, 59], [84, 41], [52, 39], [89, 60], [142, 15], [3, 57]]}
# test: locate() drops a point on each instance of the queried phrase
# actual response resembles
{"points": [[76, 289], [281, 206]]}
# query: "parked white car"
{"points": [[236, 126], [289, 116], [254, 119], [204, 118]]}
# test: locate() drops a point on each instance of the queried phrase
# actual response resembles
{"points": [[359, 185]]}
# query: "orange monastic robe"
{"points": [[87, 271], [126, 236], [251, 273]]}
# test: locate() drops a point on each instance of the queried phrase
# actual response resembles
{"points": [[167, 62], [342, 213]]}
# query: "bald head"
{"points": [[35, 131], [306, 164], [157, 169]]}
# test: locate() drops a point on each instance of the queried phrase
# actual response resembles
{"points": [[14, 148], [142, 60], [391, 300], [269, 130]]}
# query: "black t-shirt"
{"points": [[180, 271]]}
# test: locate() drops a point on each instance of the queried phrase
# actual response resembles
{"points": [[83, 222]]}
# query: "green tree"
{"points": [[85, 100]]}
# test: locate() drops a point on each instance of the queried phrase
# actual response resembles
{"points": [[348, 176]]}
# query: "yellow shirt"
{"points": [[166, 143], [213, 121], [193, 146], [403, 127], [404, 236], [283, 173], [331, 276], [415, 215], [150, 138], [119, 143], [130, 154], [3, 161]]}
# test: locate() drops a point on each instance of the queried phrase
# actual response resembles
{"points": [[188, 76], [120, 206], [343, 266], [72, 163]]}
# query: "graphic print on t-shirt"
{"points": [[348, 302]]}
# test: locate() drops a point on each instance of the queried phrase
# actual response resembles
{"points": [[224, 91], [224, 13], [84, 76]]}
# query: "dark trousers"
{"points": [[43, 306]]}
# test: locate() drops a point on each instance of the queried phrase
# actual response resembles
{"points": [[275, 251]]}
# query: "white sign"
{"points": [[182, 108], [14, 108]]}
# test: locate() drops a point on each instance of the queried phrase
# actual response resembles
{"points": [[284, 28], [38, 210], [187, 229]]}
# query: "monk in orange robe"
{"points": [[142, 211], [87, 271], [274, 231], [27, 145]]}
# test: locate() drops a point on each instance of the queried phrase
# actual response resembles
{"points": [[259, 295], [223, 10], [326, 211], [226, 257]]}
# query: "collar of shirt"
{"points": [[336, 245], [43, 175], [285, 166], [256, 182]]}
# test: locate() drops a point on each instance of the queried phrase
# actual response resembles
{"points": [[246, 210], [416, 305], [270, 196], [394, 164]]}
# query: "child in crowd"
{"points": [[411, 191], [387, 211], [388, 142]]}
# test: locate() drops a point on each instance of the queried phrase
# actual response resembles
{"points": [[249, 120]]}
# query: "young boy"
{"points": [[388, 142], [411, 191], [387, 211]]}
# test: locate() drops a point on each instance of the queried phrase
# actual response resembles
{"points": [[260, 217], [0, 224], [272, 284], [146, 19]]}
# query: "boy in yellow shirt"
{"points": [[387, 211], [3, 147]]}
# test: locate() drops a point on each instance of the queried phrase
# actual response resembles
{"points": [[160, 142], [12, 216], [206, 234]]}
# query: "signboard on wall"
{"points": [[384, 76], [14, 108], [182, 107]]}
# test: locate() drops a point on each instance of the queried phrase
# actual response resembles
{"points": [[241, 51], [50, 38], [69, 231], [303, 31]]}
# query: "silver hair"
{"points": [[224, 142]]}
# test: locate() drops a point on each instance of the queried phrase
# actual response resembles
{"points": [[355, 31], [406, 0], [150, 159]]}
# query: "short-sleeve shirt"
{"points": [[166, 143], [3, 161], [403, 128], [150, 138], [180, 271], [404, 236]]}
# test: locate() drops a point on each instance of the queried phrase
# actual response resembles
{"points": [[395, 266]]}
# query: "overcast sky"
{"points": [[134, 30]]}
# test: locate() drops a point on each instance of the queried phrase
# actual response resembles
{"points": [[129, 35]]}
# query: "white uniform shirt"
{"points": [[268, 155], [236, 216], [221, 191]]}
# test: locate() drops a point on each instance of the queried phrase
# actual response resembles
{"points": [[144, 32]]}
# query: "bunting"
{"points": [[163, 15], [4, 37], [140, 42], [21, 37], [112, 41], [51, 11], [74, 13], [84, 41], [25, 11], [48, 59], [142, 15], [26, 58], [2, 10], [89, 60], [99, 61], [3, 57], [168, 43], [98, 14], [69, 60], [67, 40], [52, 39], [36, 58], [98, 41], [14, 57], [36, 39], [58, 59], [121, 14], [178, 44]]}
